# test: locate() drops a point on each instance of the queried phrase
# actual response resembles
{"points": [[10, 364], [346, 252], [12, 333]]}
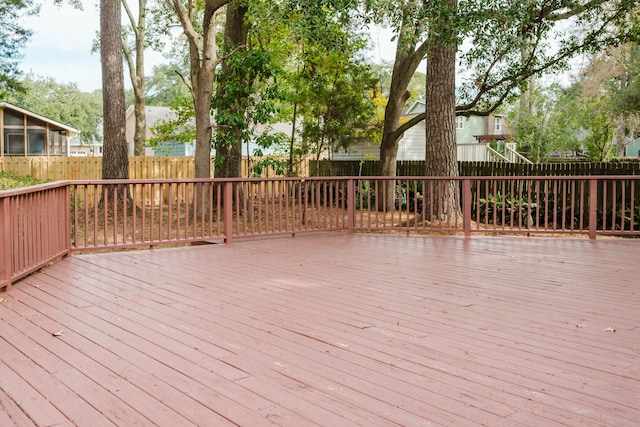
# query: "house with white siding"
{"points": [[474, 134]]}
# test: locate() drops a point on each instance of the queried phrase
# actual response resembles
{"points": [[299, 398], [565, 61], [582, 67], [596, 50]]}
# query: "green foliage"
{"points": [[62, 102], [177, 130], [249, 95], [365, 195], [322, 76], [340, 110], [552, 126], [277, 164], [277, 143], [625, 86], [382, 73], [629, 218], [12, 39], [9, 180], [508, 43], [597, 121], [165, 87]]}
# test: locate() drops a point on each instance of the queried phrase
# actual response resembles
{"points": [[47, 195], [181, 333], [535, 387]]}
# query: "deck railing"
{"points": [[34, 229], [42, 223]]}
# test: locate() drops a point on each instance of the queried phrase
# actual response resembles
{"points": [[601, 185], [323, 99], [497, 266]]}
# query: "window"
{"points": [[459, 122], [57, 142], [13, 143], [497, 124], [35, 139], [13, 118]]}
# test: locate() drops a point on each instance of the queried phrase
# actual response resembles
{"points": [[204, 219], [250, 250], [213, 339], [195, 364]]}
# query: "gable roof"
{"points": [[4, 104]]}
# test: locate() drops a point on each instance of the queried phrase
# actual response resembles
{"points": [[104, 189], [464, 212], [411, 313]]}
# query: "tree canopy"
{"points": [[12, 39], [63, 102]]}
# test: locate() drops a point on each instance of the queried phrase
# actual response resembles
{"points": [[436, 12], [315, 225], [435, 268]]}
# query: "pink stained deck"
{"points": [[338, 330]]}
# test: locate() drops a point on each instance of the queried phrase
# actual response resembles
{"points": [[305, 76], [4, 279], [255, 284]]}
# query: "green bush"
{"points": [[9, 180]]}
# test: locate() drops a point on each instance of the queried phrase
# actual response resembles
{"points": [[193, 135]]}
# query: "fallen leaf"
{"points": [[609, 329], [57, 334]]}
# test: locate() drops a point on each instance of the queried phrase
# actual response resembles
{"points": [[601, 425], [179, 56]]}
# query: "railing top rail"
{"points": [[33, 189], [57, 184], [504, 178], [203, 180]]}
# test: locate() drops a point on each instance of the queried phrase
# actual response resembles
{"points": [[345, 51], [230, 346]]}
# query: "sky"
{"points": [[61, 46]]}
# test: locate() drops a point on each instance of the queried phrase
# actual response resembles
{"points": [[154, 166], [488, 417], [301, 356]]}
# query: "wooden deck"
{"points": [[372, 330]]}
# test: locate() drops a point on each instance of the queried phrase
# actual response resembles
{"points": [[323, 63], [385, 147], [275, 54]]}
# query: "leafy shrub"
{"points": [[9, 180]]}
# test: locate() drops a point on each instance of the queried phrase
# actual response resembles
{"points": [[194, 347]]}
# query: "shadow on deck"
{"points": [[329, 330]]}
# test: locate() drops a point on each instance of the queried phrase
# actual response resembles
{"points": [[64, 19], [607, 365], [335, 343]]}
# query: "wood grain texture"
{"points": [[375, 330]]}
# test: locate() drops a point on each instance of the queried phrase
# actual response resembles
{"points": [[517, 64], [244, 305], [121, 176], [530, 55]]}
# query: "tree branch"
{"points": [[186, 83], [572, 12], [132, 20], [408, 125], [185, 21]]}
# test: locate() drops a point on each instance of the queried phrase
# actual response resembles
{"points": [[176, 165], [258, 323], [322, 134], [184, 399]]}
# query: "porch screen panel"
{"points": [[57, 144], [14, 138], [36, 141]]}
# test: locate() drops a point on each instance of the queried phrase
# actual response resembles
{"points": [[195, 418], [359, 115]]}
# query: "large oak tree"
{"points": [[507, 43]]}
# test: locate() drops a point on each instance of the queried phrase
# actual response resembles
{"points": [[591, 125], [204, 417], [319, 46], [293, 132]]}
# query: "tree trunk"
{"points": [[235, 35], [620, 130], [136, 73], [389, 150], [202, 107], [115, 162], [405, 65], [441, 150], [203, 66]]}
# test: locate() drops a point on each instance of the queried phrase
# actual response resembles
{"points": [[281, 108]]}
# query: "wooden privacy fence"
{"points": [[140, 167], [41, 223], [417, 168]]}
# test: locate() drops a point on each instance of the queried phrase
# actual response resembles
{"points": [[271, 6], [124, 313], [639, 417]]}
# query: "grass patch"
{"points": [[9, 180]]}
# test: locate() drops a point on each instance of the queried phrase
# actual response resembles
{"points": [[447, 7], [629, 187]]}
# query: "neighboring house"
{"points": [[474, 133], [24, 133], [282, 129], [152, 115], [632, 149], [78, 148]]}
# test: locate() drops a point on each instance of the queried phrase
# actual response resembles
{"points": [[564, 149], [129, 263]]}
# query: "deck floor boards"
{"points": [[370, 330]]}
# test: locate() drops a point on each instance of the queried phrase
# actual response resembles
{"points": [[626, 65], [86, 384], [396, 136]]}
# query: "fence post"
{"points": [[228, 212], [466, 206], [593, 208], [6, 258], [351, 205]]}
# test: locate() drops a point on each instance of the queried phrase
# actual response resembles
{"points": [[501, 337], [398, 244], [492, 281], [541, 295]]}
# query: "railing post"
{"points": [[593, 208], [228, 212], [6, 258], [67, 216], [351, 205], [466, 206]]}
